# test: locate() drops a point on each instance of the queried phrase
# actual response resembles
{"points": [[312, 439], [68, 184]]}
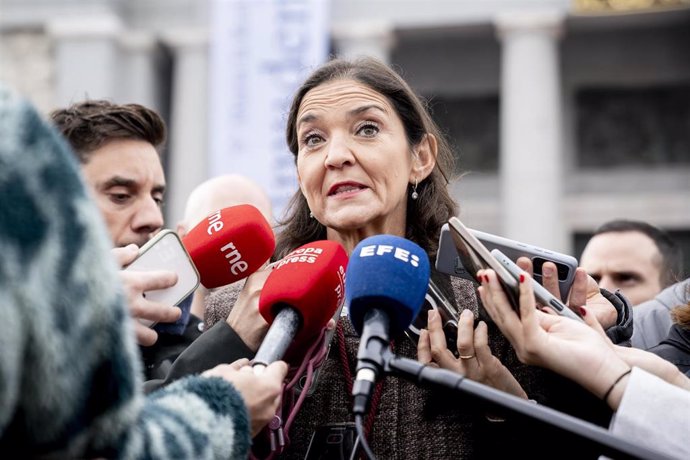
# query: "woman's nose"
{"points": [[339, 152]]}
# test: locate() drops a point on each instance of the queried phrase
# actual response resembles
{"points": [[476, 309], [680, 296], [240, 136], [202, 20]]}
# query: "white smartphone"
{"points": [[540, 292], [447, 260], [165, 251]]}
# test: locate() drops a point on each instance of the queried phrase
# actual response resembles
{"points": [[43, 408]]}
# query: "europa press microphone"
{"points": [[301, 294], [387, 280]]}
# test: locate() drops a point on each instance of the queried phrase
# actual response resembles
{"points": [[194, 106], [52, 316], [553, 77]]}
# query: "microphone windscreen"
{"points": [[389, 273], [230, 244], [311, 280]]}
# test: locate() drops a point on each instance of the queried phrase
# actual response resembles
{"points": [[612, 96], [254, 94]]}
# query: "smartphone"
{"points": [[542, 295], [448, 261], [165, 251], [474, 256], [450, 316], [460, 254]]}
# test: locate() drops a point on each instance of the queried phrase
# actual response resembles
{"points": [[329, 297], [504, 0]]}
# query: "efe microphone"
{"points": [[387, 281], [300, 295]]}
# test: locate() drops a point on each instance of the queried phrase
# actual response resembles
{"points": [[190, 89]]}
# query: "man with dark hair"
{"points": [[640, 260], [118, 147], [635, 257]]}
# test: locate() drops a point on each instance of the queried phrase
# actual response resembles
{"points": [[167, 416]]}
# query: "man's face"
{"points": [[629, 261], [126, 178]]}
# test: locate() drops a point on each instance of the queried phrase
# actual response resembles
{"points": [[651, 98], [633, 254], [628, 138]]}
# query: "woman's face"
{"points": [[354, 163]]}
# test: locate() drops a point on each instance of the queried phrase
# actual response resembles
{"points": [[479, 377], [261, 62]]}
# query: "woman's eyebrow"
{"points": [[308, 117], [365, 108]]}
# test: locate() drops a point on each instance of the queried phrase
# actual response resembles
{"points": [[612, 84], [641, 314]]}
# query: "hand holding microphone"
{"points": [[262, 395], [230, 244], [300, 296], [244, 317], [227, 246]]}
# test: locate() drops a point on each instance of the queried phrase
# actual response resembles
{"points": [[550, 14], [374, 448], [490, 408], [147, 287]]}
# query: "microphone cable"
{"points": [[361, 438], [279, 429]]}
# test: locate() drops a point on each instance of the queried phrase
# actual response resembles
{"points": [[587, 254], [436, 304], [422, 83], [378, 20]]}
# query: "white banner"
{"points": [[261, 51]]}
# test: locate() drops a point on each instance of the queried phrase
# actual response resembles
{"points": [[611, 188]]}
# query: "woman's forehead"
{"points": [[341, 94]]}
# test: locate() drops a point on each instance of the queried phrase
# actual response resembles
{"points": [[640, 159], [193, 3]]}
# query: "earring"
{"points": [[414, 195], [311, 214]]}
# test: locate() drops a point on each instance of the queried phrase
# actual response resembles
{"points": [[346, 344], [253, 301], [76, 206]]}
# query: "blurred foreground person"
{"points": [[71, 378]]}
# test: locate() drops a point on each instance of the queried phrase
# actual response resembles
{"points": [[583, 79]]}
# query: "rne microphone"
{"points": [[387, 281], [227, 246], [230, 244], [301, 294]]}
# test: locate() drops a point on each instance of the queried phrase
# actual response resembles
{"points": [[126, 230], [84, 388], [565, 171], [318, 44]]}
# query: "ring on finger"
{"points": [[467, 356]]}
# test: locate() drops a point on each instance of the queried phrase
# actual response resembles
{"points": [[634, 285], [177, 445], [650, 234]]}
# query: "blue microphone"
{"points": [[387, 281]]}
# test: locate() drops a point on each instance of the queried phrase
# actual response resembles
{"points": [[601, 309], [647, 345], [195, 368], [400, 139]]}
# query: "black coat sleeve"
{"points": [[219, 345]]}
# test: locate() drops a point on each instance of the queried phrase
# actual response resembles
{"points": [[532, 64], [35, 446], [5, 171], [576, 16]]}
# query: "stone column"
{"points": [[531, 144], [86, 57], [372, 39], [188, 137], [138, 73]]}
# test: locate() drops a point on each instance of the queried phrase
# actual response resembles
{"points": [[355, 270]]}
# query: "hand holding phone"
{"points": [[166, 252], [447, 260], [542, 295], [474, 256]]}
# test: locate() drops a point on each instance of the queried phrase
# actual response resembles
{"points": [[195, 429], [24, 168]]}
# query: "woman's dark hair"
{"points": [[434, 205]]}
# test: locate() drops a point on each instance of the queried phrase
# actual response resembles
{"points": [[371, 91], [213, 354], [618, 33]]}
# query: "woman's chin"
{"points": [[350, 220]]}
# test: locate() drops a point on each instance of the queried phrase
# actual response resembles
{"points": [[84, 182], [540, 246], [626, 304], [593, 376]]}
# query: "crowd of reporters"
{"points": [[83, 190]]}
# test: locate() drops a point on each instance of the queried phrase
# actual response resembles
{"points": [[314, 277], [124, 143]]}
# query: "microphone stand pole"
{"points": [[610, 444]]}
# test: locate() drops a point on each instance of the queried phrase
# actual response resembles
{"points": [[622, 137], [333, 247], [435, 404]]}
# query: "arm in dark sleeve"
{"points": [[219, 345], [621, 332]]}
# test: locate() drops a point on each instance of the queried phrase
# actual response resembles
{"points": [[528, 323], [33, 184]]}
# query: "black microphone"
{"points": [[387, 280], [589, 433]]}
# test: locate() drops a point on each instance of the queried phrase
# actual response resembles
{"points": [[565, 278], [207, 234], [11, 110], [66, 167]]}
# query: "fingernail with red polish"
{"points": [[522, 277], [583, 312]]}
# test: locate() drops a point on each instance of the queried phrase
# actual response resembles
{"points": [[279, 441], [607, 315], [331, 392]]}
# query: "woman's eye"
{"points": [[312, 139], [368, 130]]}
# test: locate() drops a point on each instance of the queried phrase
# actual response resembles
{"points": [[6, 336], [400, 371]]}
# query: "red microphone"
{"points": [[301, 294], [230, 244]]}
